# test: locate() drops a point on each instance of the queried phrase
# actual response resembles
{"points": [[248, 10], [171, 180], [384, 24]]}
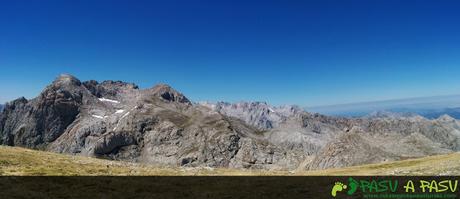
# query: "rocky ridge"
{"points": [[161, 126]]}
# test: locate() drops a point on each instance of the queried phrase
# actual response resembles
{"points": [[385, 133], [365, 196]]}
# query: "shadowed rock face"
{"points": [[159, 125], [42, 120]]}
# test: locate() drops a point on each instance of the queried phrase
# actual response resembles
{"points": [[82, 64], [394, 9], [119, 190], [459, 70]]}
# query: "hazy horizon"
{"points": [[419, 105]]}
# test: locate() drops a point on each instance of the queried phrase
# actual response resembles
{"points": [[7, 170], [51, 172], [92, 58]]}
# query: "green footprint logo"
{"points": [[338, 186], [353, 186]]}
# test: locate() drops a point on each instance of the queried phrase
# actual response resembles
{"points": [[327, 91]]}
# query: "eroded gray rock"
{"points": [[160, 126]]}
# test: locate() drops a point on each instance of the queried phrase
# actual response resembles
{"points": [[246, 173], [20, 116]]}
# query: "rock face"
{"points": [[161, 126], [42, 120]]}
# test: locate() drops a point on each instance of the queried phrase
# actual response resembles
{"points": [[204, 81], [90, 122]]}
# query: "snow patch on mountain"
{"points": [[108, 100], [99, 117]]}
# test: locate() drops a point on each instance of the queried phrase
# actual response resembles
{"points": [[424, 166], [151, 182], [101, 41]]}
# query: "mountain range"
{"points": [[161, 126]]}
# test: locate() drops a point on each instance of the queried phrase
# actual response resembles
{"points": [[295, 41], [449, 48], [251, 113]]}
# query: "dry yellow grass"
{"points": [[20, 161], [433, 165]]}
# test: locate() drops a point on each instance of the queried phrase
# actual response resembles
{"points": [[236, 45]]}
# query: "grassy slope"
{"points": [[20, 161]]}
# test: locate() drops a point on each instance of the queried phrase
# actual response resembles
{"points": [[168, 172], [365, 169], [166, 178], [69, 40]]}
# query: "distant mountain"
{"points": [[161, 126], [432, 113], [258, 114], [429, 107], [389, 114]]}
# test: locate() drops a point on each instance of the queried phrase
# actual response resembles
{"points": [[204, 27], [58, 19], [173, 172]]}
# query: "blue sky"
{"points": [[308, 53]]}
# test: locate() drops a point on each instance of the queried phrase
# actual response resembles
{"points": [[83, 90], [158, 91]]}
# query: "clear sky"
{"points": [[308, 53]]}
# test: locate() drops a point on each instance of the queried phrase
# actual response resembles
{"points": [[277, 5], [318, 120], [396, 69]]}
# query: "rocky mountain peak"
{"points": [[290, 109], [446, 118], [15, 103], [162, 86], [258, 114], [64, 89], [66, 79], [21, 100], [167, 93]]}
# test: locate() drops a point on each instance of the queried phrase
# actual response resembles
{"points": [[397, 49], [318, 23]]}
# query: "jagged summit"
{"points": [[120, 84], [109, 88], [15, 103], [66, 79], [167, 93], [446, 118], [258, 114]]}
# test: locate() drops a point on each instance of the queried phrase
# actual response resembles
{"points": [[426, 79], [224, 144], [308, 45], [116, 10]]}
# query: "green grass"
{"points": [[20, 161]]}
